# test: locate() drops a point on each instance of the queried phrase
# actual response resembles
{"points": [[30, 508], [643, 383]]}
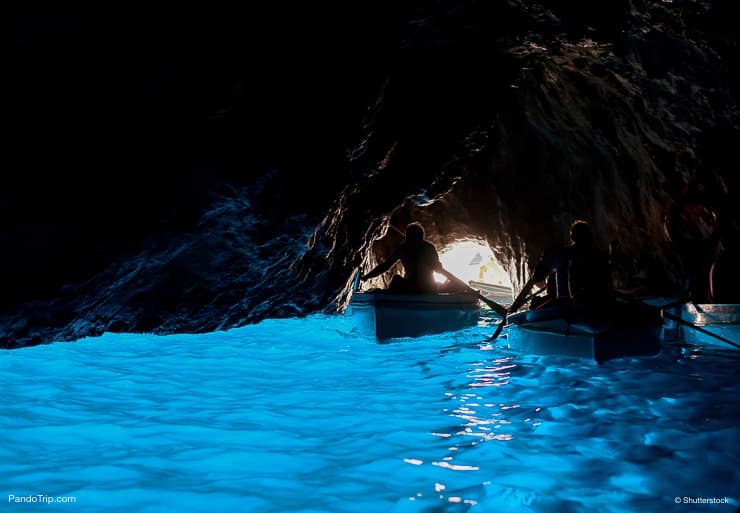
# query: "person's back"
{"points": [[420, 260], [578, 271], [589, 276]]}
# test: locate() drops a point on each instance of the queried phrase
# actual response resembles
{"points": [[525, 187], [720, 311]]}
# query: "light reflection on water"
{"points": [[308, 415]]}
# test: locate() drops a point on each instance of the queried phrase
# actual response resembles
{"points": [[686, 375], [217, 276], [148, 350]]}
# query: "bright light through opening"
{"points": [[471, 260]]}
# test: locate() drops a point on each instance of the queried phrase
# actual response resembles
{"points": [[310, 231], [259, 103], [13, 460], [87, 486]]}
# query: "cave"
{"points": [[193, 195], [211, 171]]}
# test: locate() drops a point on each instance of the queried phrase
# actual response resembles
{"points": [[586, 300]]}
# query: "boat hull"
{"points": [[388, 316], [720, 319], [621, 330]]}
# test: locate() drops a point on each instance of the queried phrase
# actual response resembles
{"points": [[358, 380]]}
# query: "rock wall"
{"points": [[561, 114], [222, 191]]}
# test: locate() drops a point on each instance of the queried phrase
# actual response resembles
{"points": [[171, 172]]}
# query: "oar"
{"points": [[516, 305], [499, 309]]}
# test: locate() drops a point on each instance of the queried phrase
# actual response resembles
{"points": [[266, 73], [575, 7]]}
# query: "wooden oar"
{"points": [[516, 305]]}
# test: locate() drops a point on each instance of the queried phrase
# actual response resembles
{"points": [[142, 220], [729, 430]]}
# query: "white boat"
{"points": [[387, 315], [721, 319], [612, 331], [501, 294]]}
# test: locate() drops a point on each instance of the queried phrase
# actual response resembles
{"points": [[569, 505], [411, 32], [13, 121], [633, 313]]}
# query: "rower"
{"points": [[420, 260], [577, 272]]}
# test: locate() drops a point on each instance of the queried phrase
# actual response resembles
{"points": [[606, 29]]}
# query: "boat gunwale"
{"points": [[579, 313], [710, 314], [427, 301]]}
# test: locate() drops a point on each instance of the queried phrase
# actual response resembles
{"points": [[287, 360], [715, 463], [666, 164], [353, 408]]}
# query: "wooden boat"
{"points": [[386, 315], [611, 331], [720, 319], [499, 293]]}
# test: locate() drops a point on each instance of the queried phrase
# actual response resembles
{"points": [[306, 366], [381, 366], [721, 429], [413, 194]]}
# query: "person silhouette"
{"points": [[693, 225], [420, 260], [578, 271]]}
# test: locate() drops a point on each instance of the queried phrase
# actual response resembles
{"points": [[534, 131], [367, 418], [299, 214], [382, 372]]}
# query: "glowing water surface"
{"points": [[305, 415]]}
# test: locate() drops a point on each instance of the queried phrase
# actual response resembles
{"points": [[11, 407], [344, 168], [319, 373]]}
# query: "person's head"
{"points": [[414, 232], [581, 234]]}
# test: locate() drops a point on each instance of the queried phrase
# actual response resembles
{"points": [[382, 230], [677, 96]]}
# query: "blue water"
{"points": [[306, 415]]}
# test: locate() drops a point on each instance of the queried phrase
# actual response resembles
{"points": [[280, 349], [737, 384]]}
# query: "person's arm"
{"points": [[523, 295], [382, 267], [543, 269]]}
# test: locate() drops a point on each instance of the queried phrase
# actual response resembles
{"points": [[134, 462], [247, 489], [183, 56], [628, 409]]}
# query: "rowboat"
{"points": [[386, 315], [498, 293], [720, 319], [611, 331]]}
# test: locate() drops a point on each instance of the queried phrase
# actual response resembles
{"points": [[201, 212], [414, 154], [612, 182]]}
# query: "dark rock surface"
{"points": [[188, 170]]}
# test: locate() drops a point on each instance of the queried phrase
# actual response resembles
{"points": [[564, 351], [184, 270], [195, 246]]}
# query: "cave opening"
{"points": [[468, 256], [472, 260]]}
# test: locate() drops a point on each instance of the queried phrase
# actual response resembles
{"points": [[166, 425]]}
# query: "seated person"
{"points": [[579, 271], [420, 261]]}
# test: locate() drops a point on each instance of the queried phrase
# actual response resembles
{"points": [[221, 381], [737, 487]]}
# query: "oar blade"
{"points": [[499, 329]]}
